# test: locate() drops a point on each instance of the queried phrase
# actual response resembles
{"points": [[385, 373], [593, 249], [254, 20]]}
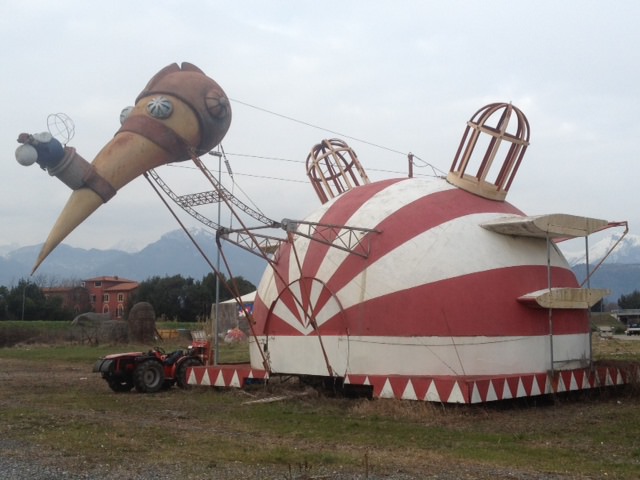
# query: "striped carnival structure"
{"points": [[442, 303], [430, 289]]}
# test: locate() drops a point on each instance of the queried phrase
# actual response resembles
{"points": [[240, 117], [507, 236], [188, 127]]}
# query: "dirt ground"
{"points": [[60, 421]]}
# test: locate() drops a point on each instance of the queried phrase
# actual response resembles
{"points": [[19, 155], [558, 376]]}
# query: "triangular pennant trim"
{"points": [[409, 393], [432, 393], [205, 378], [475, 394], [456, 395], [491, 393], [220, 380], [387, 390], [235, 381]]}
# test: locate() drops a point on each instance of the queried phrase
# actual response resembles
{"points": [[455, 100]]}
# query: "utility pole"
{"points": [[216, 341]]}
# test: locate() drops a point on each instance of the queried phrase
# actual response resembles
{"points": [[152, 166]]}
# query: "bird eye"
{"points": [[124, 114], [160, 107]]}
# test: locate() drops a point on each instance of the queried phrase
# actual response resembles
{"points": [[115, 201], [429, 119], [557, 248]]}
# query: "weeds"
{"points": [[49, 396]]}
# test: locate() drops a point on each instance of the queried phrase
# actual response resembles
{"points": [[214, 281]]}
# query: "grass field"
{"points": [[53, 409]]}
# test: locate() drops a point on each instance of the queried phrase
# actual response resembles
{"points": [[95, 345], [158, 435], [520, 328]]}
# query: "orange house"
{"points": [[110, 294], [74, 298]]}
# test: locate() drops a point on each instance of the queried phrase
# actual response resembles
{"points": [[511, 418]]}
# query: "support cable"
{"points": [[217, 186], [233, 291]]}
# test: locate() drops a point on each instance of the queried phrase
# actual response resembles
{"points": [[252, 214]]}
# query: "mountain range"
{"points": [[620, 271], [174, 254]]}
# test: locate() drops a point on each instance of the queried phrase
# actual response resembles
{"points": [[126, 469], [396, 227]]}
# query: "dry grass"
{"points": [[616, 348], [65, 415]]}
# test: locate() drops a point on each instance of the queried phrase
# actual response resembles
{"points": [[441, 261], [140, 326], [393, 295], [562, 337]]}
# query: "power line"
{"points": [[271, 178], [436, 171], [282, 179], [261, 157], [301, 122], [187, 167]]}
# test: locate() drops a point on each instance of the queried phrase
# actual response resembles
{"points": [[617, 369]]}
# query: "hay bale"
{"points": [[96, 328], [142, 323]]}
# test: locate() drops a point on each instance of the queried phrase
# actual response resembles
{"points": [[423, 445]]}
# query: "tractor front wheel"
{"points": [[148, 377], [119, 385], [181, 377]]}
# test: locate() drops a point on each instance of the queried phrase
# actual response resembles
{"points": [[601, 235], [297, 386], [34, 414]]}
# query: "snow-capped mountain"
{"points": [[620, 271], [172, 254], [626, 250]]}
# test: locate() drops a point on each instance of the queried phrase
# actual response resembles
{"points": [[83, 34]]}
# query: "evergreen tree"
{"points": [[630, 301]]}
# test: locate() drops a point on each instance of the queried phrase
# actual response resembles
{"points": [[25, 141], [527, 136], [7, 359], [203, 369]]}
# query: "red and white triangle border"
{"points": [[460, 389], [443, 389], [236, 376]]}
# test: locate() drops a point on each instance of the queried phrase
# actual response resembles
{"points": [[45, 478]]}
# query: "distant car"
{"points": [[633, 329]]}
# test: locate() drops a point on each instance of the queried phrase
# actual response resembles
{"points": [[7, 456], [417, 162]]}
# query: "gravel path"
{"points": [[20, 461]]}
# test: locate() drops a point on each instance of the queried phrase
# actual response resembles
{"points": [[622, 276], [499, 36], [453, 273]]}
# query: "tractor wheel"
{"points": [[119, 385], [148, 377], [181, 376]]}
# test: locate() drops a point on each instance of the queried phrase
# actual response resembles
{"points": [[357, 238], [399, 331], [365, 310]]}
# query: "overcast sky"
{"points": [[404, 75]]}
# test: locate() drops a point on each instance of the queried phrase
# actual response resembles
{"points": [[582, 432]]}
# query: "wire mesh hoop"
{"points": [[61, 127]]}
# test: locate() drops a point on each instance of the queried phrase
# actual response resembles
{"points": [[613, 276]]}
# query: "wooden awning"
{"points": [[565, 298], [553, 226]]}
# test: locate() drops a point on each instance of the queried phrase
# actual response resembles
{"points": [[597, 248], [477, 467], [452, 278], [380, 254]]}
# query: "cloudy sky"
{"points": [[389, 77]]}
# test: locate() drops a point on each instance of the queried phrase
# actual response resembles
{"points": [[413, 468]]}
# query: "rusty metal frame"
{"points": [[342, 237]]}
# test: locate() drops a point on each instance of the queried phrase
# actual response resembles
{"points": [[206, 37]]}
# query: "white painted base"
{"points": [[463, 356]]}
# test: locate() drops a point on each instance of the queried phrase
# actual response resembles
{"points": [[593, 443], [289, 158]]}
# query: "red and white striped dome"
{"points": [[436, 295]]}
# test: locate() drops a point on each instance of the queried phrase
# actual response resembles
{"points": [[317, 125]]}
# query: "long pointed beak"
{"points": [[180, 110], [79, 207], [123, 159]]}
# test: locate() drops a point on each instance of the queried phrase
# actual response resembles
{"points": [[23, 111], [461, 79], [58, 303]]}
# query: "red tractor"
{"points": [[152, 371]]}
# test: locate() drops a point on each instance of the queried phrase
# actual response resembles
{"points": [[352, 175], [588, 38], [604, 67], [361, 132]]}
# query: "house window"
{"points": [[93, 299], [121, 297], [120, 311], [105, 308], [97, 284], [105, 297]]}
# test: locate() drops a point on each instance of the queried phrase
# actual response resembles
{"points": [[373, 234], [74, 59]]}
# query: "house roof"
{"points": [[122, 287], [110, 279]]}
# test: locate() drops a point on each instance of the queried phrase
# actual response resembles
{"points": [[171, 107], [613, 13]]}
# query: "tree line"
{"points": [[630, 301], [185, 299], [26, 301], [174, 298]]}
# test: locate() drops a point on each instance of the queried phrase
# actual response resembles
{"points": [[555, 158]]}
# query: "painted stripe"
{"points": [[482, 303], [420, 222], [434, 255], [389, 269], [460, 307], [417, 356], [369, 207]]}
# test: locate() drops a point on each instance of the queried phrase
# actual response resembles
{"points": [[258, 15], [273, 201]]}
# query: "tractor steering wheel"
{"points": [[159, 350]]}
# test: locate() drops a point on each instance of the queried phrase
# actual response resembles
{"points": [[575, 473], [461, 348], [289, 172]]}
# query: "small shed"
{"points": [[232, 314]]}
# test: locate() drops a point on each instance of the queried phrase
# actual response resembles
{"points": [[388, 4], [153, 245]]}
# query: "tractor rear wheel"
{"points": [[181, 375], [148, 377]]}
